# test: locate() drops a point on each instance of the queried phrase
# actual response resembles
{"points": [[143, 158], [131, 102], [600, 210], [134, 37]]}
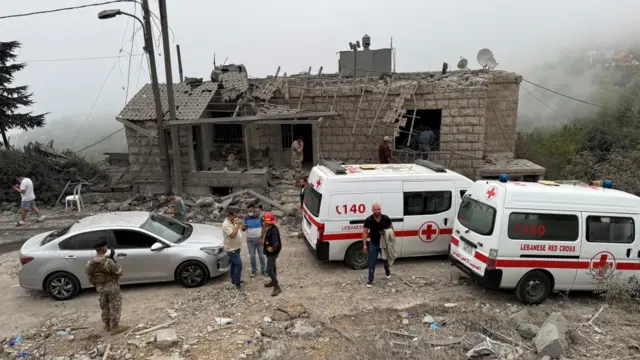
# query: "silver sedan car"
{"points": [[149, 247]]}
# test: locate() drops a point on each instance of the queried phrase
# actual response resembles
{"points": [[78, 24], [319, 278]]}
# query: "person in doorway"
{"points": [[232, 245], [374, 227], [179, 211], [272, 247], [425, 140], [384, 151], [303, 186], [104, 274], [297, 156], [252, 225], [27, 199]]}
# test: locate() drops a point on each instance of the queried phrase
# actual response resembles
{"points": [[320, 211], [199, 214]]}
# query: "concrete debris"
{"points": [[166, 338], [489, 349], [303, 330], [472, 339], [114, 206], [519, 318], [223, 321], [206, 201], [290, 312], [551, 339], [528, 331], [428, 319], [275, 352]]}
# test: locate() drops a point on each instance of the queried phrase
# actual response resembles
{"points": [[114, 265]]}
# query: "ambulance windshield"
{"points": [[476, 216], [312, 200]]}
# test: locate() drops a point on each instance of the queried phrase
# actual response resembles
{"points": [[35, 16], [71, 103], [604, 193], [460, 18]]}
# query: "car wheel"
{"points": [[355, 257], [533, 288], [62, 286], [192, 274]]}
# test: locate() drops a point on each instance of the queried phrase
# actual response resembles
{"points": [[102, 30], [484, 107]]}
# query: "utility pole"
{"points": [[180, 64], [175, 144], [162, 139]]}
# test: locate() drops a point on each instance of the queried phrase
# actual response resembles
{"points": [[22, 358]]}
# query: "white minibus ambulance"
{"points": [[420, 198], [544, 236]]}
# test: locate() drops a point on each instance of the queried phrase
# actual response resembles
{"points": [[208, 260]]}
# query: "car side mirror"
{"points": [[157, 246]]}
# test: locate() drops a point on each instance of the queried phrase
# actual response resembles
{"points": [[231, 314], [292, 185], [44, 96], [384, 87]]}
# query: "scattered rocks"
{"points": [[551, 339], [114, 206], [290, 312], [166, 338], [428, 319], [205, 201], [471, 340], [275, 352], [303, 330], [519, 318], [528, 331]]}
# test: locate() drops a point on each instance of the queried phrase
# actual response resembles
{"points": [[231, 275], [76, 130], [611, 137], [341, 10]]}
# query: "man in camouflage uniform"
{"points": [[297, 155], [104, 273]]}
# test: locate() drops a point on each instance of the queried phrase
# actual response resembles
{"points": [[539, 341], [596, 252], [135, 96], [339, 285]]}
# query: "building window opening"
{"points": [[415, 135], [291, 131], [220, 191], [227, 134]]}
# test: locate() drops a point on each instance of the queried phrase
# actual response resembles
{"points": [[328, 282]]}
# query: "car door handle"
{"points": [[70, 257], [446, 221], [628, 253], [121, 255]]}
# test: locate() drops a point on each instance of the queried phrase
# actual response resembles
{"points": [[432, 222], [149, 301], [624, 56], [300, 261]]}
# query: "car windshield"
{"points": [[476, 216], [56, 234], [167, 228]]}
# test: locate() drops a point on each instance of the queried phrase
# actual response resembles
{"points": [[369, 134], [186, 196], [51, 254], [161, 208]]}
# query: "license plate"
{"points": [[467, 248]]}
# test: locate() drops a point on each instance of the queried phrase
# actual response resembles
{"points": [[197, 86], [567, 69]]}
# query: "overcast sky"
{"points": [[294, 34]]}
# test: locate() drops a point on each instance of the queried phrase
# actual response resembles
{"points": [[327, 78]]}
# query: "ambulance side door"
{"points": [[609, 249], [429, 212]]}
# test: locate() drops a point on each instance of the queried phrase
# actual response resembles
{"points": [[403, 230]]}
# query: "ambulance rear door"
{"points": [[429, 212]]}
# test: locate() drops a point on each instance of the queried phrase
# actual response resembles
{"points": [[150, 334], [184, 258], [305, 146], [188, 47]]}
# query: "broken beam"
{"points": [[251, 118], [135, 127]]}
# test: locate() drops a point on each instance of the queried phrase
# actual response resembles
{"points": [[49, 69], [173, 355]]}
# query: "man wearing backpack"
{"points": [[272, 247]]}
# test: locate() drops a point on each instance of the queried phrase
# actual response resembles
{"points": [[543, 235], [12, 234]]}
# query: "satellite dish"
{"points": [[491, 63], [462, 64], [483, 56]]}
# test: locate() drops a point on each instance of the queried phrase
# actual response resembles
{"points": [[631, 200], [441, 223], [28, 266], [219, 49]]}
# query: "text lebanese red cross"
{"points": [[428, 231], [318, 183], [491, 193]]}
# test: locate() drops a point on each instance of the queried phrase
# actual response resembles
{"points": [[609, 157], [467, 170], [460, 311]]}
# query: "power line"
{"points": [[566, 96], [95, 101], [543, 103], [62, 9], [81, 58], [126, 96], [99, 141]]}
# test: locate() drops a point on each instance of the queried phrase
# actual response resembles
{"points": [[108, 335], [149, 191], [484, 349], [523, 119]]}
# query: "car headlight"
{"points": [[213, 250]]}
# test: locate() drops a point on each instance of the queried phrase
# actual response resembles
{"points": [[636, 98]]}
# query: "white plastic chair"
{"points": [[75, 198]]}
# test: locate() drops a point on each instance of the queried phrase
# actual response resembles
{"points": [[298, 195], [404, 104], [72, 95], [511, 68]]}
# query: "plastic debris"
{"points": [[223, 321]]}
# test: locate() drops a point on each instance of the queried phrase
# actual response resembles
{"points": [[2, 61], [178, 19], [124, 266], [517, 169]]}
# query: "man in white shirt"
{"points": [[28, 201], [232, 245]]}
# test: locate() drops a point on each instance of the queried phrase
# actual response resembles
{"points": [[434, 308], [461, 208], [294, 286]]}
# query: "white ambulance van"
{"points": [[420, 198], [544, 236]]}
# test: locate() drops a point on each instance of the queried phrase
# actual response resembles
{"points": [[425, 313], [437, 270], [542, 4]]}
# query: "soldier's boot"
{"points": [[276, 290], [117, 329], [269, 284], [107, 327]]}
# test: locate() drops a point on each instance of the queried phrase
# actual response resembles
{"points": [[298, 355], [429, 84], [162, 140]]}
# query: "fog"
{"points": [[524, 37]]}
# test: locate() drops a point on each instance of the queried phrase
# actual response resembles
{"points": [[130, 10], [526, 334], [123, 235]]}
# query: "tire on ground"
{"points": [[61, 286], [353, 253], [192, 274], [541, 280]]}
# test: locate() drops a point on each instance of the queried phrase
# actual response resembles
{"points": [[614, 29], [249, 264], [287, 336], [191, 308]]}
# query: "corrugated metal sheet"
{"points": [[190, 102]]}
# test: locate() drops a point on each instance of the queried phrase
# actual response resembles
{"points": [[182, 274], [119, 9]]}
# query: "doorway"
{"points": [[425, 119], [290, 132]]}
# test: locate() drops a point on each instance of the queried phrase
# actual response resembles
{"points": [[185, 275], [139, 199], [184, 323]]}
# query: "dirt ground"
{"points": [[339, 318]]}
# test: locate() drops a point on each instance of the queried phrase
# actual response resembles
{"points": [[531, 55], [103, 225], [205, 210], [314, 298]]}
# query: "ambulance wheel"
{"points": [[355, 257], [533, 288]]}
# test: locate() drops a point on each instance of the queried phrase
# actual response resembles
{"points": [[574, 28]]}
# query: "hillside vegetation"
{"points": [[596, 143]]}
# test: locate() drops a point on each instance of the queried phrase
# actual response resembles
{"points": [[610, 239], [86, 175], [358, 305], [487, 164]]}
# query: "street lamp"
{"points": [[148, 48]]}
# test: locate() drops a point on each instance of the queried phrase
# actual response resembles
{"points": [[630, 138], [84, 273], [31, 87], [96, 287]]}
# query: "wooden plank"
{"points": [[381, 104], [250, 118], [247, 148], [335, 96], [135, 127], [364, 87]]}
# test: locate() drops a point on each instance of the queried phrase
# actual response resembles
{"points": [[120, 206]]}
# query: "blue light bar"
{"points": [[503, 178], [607, 184]]}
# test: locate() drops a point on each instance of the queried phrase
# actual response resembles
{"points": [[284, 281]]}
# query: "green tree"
{"points": [[13, 98]]}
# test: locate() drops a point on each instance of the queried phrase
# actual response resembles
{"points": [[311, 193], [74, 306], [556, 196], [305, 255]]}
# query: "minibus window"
{"points": [[476, 216], [312, 201]]}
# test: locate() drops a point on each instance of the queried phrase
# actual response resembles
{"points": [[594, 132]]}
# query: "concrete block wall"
{"points": [[501, 114]]}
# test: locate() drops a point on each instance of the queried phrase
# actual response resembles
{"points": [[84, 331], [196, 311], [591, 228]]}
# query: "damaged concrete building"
{"points": [[233, 129]]}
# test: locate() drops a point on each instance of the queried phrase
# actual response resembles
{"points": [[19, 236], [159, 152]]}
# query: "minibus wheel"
{"points": [[355, 257], [534, 287]]}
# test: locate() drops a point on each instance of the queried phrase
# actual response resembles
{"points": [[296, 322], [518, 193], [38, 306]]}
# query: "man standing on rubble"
{"points": [[297, 156], [425, 140], [28, 199], [384, 151], [179, 211], [232, 245], [374, 227], [252, 225], [104, 274]]}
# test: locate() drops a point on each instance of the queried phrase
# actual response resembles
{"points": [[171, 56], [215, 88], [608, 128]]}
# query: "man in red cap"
{"points": [[272, 247]]}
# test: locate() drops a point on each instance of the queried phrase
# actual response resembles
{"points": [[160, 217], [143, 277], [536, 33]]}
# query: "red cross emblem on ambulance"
{"points": [[428, 232], [318, 183], [491, 193]]}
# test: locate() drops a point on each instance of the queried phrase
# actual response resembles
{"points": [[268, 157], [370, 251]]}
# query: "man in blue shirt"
{"points": [[425, 140], [252, 225]]}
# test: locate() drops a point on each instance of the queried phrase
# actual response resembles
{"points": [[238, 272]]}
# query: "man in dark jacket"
{"points": [[384, 151], [272, 247]]}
